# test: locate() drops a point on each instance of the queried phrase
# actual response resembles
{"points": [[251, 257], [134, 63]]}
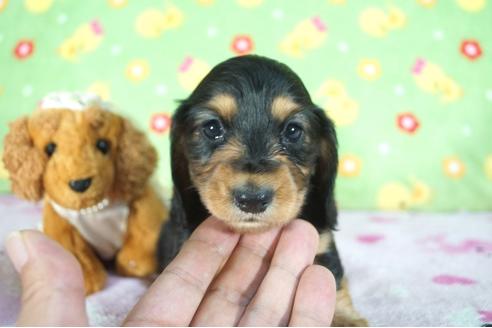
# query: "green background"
{"points": [[460, 129]]}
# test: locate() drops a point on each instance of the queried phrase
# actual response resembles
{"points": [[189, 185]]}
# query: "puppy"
{"points": [[91, 167], [249, 147]]}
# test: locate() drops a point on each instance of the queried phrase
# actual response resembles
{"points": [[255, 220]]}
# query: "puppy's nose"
{"points": [[80, 185], [252, 199]]}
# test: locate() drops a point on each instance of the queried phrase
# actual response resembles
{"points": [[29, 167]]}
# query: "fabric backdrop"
{"points": [[408, 83]]}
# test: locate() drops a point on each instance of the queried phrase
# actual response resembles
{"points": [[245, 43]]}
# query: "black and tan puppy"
{"points": [[249, 147]]}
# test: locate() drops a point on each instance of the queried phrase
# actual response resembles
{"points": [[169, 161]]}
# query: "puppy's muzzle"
{"points": [[80, 185], [252, 199]]}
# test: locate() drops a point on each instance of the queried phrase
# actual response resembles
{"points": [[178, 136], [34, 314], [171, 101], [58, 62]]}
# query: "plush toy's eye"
{"points": [[50, 148], [103, 145], [293, 132], [213, 130]]}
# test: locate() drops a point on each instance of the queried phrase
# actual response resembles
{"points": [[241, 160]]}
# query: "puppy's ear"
{"points": [[187, 210], [187, 205], [136, 159], [319, 207], [24, 162]]}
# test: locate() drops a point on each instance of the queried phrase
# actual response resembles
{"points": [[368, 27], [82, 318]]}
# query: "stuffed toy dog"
{"points": [[91, 167]]}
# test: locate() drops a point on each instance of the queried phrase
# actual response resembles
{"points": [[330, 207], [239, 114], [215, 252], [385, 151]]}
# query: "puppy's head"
{"points": [[77, 157], [250, 141]]}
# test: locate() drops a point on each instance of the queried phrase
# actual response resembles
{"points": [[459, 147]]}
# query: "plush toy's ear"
{"points": [[24, 162], [136, 159], [319, 206]]}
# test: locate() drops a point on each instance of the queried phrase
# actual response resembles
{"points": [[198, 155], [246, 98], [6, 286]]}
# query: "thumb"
{"points": [[52, 281]]}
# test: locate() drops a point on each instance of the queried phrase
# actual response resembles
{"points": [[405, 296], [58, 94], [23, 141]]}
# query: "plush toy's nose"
{"points": [[252, 199], [80, 185]]}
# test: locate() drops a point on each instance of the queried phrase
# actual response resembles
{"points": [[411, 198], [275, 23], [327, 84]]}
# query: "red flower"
{"points": [[471, 49], [24, 49], [242, 44], [407, 122], [160, 122]]}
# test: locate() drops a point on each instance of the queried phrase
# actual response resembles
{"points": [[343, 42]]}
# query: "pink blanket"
{"points": [[403, 269]]}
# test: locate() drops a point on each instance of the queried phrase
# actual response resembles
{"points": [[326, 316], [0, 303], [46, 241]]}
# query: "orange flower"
{"points": [[242, 44], [407, 122], [453, 167], [160, 122], [471, 49], [350, 166], [369, 69], [137, 70], [24, 49]]}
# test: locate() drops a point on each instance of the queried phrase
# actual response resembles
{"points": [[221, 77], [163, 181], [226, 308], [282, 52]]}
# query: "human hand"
{"points": [[218, 278]]}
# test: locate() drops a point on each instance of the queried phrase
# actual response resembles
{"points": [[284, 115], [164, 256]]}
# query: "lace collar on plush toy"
{"points": [[68, 212]]}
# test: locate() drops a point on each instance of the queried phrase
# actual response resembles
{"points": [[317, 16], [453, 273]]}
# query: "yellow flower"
{"points": [[86, 38], [150, 23], [369, 69], [249, 3], [117, 4], [342, 109], [396, 18], [205, 2], [137, 70], [3, 4], [453, 167], [307, 35], [38, 6], [471, 5], [421, 193], [173, 17], [350, 166], [488, 166], [337, 2], [191, 72], [102, 89], [427, 3], [332, 88], [394, 196]]}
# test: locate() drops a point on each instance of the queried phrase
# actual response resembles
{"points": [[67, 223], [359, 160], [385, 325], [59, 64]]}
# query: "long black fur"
{"points": [[254, 82]]}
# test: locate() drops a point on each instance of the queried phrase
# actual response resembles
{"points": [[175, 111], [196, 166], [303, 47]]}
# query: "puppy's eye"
{"points": [[293, 132], [213, 130], [103, 145], [50, 148]]}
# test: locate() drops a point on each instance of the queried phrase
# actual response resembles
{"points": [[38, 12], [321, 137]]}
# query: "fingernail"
{"points": [[16, 249]]}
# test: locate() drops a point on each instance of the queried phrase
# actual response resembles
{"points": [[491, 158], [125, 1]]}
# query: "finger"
{"points": [[175, 296], [235, 286], [51, 279], [314, 303], [273, 301]]}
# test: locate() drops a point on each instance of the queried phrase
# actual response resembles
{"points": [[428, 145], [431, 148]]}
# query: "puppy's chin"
{"points": [[251, 226], [243, 222]]}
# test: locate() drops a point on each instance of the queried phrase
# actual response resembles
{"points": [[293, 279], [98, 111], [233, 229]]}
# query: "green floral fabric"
{"points": [[408, 83]]}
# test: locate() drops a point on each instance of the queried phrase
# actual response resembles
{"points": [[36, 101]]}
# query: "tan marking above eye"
{"points": [[283, 107], [224, 104]]}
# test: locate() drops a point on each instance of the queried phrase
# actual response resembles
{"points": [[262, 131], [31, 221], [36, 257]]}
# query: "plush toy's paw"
{"points": [[348, 320], [130, 262], [94, 279]]}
